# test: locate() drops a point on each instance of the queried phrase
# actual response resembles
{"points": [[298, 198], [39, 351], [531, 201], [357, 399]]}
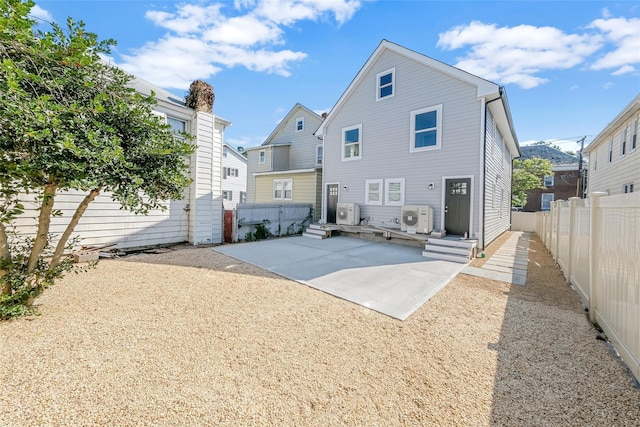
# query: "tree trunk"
{"points": [[82, 207], [4, 254], [44, 221]]}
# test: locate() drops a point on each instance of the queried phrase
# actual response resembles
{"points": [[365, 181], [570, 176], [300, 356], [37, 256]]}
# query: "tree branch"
{"points": [[80, 210], [44, 221], [4, 254]]}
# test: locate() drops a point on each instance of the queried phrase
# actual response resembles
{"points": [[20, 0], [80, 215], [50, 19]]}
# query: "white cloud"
{"points": [[517, 54], [624, 35], [39, 13], [608, 85], [200, 41]]}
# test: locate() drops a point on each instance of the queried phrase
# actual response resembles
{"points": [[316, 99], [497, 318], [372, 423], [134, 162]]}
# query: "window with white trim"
{"points": [[319, 154], [627, 188], [634, 137], [385, 82], [426, 129], [547, 181], [611, 150], [227, 195], [299, 124], [546, 198], [261, 156], [224, 152], [373, 192], [243, 197], [282, 189], [394, 191], [623, 146], [352, 142], [177, 126]]}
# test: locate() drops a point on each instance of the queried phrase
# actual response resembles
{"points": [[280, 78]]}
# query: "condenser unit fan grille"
{"points": [[410, 218]]}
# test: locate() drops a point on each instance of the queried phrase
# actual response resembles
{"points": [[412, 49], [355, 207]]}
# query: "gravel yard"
{"points": [[192, 337]]}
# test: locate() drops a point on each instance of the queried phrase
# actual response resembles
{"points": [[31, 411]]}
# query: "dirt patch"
{"points": [[192, 337]]}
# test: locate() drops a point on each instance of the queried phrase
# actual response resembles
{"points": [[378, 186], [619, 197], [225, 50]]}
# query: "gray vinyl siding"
{"points": [[386, 138], [497, 204], [302, 151], [611, 176], [253, 156], [280, 158]]}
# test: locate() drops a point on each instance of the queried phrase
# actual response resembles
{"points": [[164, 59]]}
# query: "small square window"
{"points": [[373, 195], [227, 195], [385, 83], [299, 124], [394, 192], [548, 181]]}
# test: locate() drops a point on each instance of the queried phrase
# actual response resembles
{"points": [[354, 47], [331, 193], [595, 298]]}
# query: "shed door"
{"points": [[332, 202], [457, 206]]}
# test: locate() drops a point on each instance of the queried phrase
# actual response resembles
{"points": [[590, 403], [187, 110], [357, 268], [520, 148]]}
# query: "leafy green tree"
{"points": [[69, 121], [527, 175]]}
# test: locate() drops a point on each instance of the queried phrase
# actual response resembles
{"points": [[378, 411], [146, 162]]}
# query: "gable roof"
{"points": [[632, 108], [485, 88], [555, 156], [286, 120], [235, 152]]}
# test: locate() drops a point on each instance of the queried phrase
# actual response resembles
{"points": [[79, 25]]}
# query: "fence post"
{"points": [[573, 202], [555, 209], [594, 259]]}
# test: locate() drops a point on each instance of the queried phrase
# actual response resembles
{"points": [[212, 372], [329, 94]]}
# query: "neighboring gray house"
{"points": [[234, 177], [614, 156], [410, 130], [561, 185], [287, 167]]}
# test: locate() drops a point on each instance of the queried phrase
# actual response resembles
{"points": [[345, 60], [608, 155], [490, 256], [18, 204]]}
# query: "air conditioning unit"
{"points": [[417, 218], [348, 214]]}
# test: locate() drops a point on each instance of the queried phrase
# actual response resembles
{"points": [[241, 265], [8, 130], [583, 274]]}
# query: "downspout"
{"points": [[484, 165]]}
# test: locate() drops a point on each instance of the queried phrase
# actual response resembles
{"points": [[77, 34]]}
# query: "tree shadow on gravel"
{"points": [[551, 368], [198, 257]]}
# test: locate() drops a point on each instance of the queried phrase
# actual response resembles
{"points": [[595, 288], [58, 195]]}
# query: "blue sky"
{"points": [[569, 67]]}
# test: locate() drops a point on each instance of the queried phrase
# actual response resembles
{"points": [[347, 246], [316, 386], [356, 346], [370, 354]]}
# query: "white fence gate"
{"points": [[596, 243]]}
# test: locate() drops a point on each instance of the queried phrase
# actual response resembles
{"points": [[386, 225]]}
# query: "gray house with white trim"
{"points": [[410, 130]]}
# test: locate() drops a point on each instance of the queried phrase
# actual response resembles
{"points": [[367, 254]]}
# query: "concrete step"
{"points": [[453, 250], [316, 231], [315, 226], [314, 236], [454, 243], [446, 257]]}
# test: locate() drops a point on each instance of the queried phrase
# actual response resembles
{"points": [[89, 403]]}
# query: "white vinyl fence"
{"points": [[596, 243], [279, 219], [524, 221]]}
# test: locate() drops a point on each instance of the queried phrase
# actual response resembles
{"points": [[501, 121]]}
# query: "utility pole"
{"points": [[580, 171]]}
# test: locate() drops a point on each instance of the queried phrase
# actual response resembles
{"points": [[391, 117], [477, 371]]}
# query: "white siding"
{"points": [[611, 176], [386, 138], [104, 223], [234, 184], [206, 189]]}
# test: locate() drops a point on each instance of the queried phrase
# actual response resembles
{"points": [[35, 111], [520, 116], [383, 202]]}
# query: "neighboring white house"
{"points": [[196, 219], [234, 177], [410, 130], [614, 155], [287, 167]]}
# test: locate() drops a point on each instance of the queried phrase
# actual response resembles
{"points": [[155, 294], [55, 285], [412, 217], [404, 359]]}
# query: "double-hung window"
{"points": [[319, 154], [634, 136], [299, 124], [547, 198], [426, 129], [352, 143], [385, 82], [261, 156], [282, 189], [548, 181], [373, 195], [394, 192]]}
